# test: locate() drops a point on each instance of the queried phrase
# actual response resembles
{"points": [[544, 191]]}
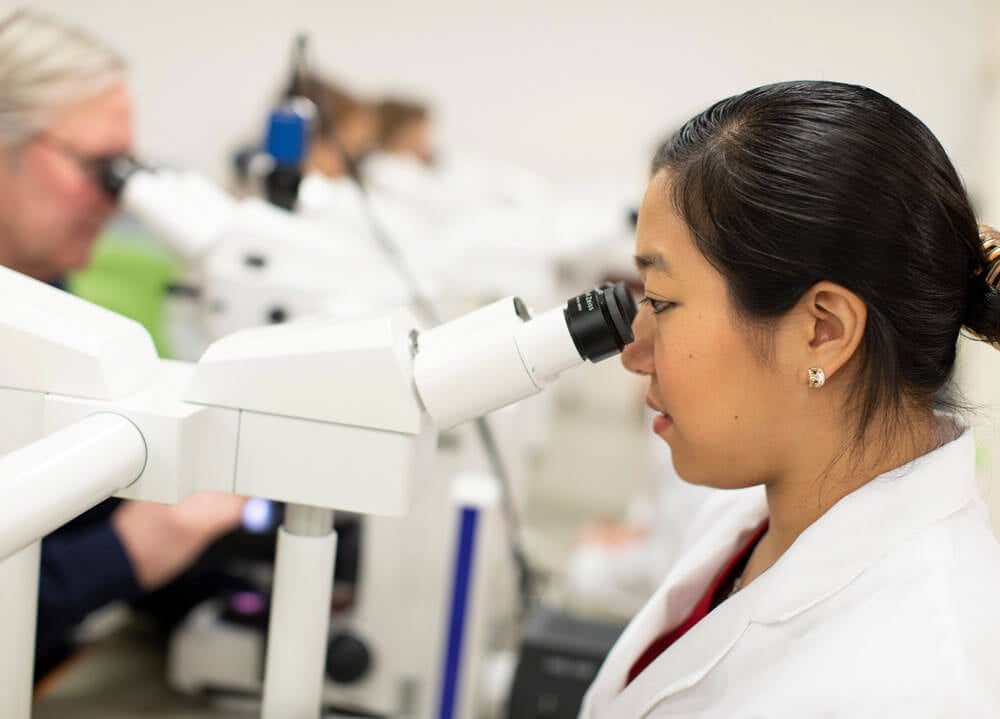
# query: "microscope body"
{"points": [[255, 416], [270, 266], [321, 414], [251, 264], [254, 264]]}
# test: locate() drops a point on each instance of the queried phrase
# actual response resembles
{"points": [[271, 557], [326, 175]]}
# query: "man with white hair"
{"points": [[64, 111], [64, 107]]}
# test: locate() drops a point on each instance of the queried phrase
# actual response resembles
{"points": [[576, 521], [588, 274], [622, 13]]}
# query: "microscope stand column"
{"points": [[19, 599], [43, 485], [300, 614]]}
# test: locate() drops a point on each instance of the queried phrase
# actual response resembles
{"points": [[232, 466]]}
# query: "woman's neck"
{"points": [[827, 474]]}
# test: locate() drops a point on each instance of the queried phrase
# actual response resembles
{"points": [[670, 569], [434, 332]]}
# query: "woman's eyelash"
{"points": [[657, 305]]}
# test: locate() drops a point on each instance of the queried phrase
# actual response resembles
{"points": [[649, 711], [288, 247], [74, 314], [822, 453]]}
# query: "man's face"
{"points": [[51, 207]]}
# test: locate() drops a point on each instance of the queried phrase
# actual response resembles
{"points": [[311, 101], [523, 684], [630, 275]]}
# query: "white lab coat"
{"points": [[887, 606]]}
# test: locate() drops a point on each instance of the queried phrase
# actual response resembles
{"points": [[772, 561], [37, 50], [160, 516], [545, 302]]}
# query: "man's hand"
{"points": [[162, 540]]}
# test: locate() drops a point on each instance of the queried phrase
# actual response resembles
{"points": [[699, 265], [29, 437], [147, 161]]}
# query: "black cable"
{"points": [[300, 66]]}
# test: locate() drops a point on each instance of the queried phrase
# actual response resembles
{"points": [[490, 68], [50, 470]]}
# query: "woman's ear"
{"points": [[835, 321]]}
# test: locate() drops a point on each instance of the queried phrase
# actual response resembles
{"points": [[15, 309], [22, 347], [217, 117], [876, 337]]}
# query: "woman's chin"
{"points": [[697, 474]]}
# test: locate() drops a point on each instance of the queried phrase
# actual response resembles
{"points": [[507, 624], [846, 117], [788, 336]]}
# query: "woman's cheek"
{"points": [[673, 374]]}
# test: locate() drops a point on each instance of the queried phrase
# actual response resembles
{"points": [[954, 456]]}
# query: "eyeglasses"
{"points": [[96, 167]]}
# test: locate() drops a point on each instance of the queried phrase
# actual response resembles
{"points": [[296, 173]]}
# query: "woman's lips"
{"points": [[662, 421]]}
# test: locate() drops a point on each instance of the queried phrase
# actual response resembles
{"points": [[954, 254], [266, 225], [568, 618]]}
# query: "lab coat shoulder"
{"points": [[915, 635], [886, 606]]}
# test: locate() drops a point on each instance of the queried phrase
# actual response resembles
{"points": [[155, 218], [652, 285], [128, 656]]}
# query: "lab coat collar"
{"points": [[854, 534], [738, 513], [866, 525]]}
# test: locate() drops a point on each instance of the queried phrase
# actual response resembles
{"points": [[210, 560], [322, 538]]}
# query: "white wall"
{"points": [[567, 87], [570, 88]]}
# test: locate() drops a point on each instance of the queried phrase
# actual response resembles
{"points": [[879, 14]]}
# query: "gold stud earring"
{"points": [[817, 378]]}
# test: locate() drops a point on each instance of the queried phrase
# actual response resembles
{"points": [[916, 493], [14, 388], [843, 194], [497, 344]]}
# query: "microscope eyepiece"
{"points": [[501, 353], [115, 171], [600, 321]]}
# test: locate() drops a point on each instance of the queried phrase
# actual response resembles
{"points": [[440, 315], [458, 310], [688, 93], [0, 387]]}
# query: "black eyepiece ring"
{"points": [[600, 321]]}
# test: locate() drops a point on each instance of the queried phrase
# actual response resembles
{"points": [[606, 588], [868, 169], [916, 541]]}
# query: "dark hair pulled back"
{"points": [[790, 184]]}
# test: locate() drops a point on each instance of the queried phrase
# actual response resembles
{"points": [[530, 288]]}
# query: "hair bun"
{"points": [[982, 307]]}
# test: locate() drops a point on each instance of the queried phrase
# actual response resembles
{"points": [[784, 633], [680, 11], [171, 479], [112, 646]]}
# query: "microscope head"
{"points": [[383, 373], [186, 210]]}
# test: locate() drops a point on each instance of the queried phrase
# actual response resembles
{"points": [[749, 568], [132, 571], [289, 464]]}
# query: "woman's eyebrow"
{"points": [[654, 261]]}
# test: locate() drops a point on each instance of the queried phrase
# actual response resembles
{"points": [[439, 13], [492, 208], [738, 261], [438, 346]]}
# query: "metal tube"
{"points": [[300, 614], [308, 521]]}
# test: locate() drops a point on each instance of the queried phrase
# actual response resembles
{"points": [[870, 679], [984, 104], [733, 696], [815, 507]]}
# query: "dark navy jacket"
{"points": [[84, 567]]}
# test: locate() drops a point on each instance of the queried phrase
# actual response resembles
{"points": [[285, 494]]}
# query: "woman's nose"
{"points": [[637, 357]]}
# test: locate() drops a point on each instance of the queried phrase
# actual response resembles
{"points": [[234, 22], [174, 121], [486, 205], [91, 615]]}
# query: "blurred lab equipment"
{"points": [[252, 417]]}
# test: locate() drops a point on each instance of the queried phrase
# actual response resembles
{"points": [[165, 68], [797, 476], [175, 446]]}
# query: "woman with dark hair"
{"points": [[809, 257]]}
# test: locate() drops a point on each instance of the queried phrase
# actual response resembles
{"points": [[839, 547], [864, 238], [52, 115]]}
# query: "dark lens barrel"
{"points": [[600, 321], [116, 171]]}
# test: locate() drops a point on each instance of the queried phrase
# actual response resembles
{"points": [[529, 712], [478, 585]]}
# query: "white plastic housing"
{"points": [[232, 657], [328, 414], [54, 342], [257, 262], [185, 209], [192, 448], [356, 373], [488, 359], [336, 466], [547, 347], [471, 365], [269, 264]]}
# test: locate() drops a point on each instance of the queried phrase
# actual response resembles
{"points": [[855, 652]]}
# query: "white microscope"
{"points": [[253, 264], [318, 414]]}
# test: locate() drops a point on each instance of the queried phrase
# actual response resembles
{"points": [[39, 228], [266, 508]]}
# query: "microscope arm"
{"points": [[252, 263], [186, 210], [54, 479]]}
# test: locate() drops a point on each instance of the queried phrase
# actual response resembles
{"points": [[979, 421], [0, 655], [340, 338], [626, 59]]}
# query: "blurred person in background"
{"points": [[344, 130], [64, 111], [405, 129], [344, 125]]}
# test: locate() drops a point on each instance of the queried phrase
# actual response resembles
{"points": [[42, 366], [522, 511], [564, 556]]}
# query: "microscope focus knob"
{"points": [[347, 658]]}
